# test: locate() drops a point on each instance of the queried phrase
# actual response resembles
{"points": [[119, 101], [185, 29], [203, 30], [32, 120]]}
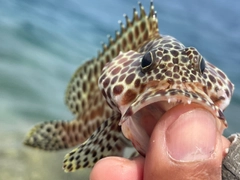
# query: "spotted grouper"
{"points": [[137, 77]]}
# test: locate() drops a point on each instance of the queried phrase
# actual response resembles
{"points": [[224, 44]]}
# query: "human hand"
{"points": [[187, 143]]}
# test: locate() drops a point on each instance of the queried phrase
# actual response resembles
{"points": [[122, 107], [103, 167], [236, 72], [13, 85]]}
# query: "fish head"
{"points": [[144, 84]]}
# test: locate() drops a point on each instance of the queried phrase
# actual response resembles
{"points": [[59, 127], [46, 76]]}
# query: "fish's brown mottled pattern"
{"points": [[138, 72]]}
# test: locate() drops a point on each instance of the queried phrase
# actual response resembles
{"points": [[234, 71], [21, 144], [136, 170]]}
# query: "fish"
{"points": [[137, 77]]}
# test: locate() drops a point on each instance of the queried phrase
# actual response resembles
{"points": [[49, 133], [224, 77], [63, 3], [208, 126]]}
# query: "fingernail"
{"points": [[192, 136]]}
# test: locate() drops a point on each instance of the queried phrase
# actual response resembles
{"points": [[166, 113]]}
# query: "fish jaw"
{"points": [[139, 120]]}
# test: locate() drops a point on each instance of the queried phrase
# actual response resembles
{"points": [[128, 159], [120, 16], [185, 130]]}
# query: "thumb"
{"points": [[186, 143]]}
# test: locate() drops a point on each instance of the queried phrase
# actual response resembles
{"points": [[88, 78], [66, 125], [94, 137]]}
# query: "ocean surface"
{"points": [[43, 42]]}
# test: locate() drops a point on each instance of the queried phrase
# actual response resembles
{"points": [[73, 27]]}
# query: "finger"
{"points": [[186, 143], [118, 169]]}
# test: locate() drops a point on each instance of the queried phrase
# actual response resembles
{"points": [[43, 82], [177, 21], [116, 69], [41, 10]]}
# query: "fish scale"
{"points": [[138, 74]]}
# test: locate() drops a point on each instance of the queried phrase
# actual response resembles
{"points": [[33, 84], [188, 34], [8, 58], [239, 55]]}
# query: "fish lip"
{"points": [[180, 97], [159, 102]]}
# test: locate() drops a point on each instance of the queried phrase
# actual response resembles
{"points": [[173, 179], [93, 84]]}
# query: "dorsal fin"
{"points": [[137, 31]]}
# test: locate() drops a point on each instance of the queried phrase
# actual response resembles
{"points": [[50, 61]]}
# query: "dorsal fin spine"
{"points": [[131, 36], [135, 15], [128, 22], [83, 83], [143, 13]]}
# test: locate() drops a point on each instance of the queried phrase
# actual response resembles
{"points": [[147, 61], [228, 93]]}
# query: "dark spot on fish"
{"points": [[127, 63], [94, 153], [114, 80], [124, 43], [116, 71], [71, 158], [184, 79], [168, 73], [184, 59], [130, 36], [222, 74], [174, 53], [209, 85], [69, 167], [87, 152], [227, 92], [168, 46], [130, 78], [102, 148], [85, 164], [118, 89], [166, 58], [109, 147], [136, 31], [108, 137], [192, 77], [143, 26], [95, 160], [213, 80], [77, 108], [79, 95], [84, 87], [137, 83], [122, 77], [113, 52], [129, 96]]}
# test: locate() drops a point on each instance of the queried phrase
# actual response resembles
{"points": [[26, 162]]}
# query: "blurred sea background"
{"points": [[43, 42]]}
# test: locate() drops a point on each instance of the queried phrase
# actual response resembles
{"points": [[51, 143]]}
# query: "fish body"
{"points": [[137, 77]]}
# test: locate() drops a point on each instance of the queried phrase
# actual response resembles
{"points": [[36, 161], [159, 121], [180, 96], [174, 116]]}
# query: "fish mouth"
{"points": [[139, 120]]}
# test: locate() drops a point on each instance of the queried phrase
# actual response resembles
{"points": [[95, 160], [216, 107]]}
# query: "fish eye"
{"points": [[197, 61], [202, 65], [147, 62], [199, 64]]}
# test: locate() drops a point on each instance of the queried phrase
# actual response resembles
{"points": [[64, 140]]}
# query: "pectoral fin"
{"points": [[106, 140]]}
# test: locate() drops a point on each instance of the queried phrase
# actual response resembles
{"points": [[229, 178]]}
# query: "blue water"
{"points": [[43, 42]]}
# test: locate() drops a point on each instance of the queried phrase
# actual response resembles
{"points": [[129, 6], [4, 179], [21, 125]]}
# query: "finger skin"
{"points": [[118, 168], [158, 164]]}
